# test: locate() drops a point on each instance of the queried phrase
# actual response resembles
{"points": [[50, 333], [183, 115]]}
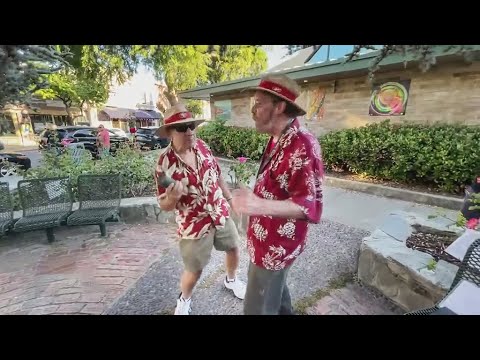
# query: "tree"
{"points": [[109, 62], [23, 69], [182, 67], [236, 62], [74, 89]]}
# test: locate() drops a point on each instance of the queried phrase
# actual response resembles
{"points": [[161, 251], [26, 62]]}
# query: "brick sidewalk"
{"points": [[80, 273], [353, 299]]}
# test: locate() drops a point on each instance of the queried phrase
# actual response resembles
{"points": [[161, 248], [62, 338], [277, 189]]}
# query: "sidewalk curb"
{"points": [[447, 202]]}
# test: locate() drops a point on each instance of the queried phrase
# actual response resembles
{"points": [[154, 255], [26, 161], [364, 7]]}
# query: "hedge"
{"points": [[232, 141], [441, 156]]}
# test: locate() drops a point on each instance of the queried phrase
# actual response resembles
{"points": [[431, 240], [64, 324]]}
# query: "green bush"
{"points": [[136, 169], [233, 141], [442, 156]]}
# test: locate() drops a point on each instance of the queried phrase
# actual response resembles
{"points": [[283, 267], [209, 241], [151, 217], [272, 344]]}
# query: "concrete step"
{"points": [[353, 299]]}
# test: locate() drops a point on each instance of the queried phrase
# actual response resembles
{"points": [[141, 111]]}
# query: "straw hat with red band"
{"points": [[175, 115], [283, 87]]}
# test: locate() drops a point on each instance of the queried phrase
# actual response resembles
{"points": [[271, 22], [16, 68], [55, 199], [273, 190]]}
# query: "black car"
{"points": [[88, 137], [8, 162], [146, 138], [52, 138]]}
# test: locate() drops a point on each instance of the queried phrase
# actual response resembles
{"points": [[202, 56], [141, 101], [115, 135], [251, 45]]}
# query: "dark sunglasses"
{"points": [[184, 127]]}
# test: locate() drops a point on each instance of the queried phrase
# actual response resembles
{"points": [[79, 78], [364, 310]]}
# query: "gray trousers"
{"points": [[267, 292]]}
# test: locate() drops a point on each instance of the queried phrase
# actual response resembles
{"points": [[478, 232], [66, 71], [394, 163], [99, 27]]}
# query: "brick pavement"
{"points": [[353, 299], [80, 273]]}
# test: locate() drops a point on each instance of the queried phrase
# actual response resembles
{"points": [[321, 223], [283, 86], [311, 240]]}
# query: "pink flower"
{"points": [[472, 223], [242, 159]]}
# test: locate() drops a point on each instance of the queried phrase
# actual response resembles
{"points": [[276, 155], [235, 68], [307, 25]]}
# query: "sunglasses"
{"points": [[184, 127]]}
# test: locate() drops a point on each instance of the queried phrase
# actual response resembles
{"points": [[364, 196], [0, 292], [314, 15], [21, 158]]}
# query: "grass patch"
{"points": [[302, 305]]}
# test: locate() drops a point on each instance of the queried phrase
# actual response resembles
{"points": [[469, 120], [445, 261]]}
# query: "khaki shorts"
{"points": [[196, 252]]}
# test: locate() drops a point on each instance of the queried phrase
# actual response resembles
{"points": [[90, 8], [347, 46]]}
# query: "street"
{"points": [[35, 157]]}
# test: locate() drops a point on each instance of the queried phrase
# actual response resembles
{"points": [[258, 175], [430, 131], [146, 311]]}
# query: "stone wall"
{"points": [[400, 273]]}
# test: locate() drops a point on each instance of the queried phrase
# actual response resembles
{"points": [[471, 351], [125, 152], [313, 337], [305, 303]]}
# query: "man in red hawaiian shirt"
{"points": [[287, 195], [198, 194]]}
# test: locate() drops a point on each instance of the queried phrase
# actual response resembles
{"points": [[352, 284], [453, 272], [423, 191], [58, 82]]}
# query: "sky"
{"points": [[143, 82]]}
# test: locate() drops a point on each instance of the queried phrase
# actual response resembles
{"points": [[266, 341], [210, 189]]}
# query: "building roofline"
{"points": [[307, 71]]}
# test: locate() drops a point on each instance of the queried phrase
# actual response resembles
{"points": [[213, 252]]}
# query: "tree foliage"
{"points": [[22, 70], [89, 70], [74, 89], [107, 62], [183, 67], [237, 61]]}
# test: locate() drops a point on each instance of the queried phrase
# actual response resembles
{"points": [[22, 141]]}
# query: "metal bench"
{"points": [[99, 197], [46, 204], [469, 270], [6, 208]]}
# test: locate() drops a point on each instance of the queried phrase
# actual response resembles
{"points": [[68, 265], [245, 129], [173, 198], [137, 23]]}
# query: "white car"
{"points": [[119, 132]]}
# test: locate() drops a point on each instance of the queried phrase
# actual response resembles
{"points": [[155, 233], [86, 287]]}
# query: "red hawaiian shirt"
{"points": [[294, 172], [204, 206]]}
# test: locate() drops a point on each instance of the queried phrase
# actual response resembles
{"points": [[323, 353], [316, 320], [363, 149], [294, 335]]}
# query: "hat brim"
{"points": [[300, 111], [162, 130]]}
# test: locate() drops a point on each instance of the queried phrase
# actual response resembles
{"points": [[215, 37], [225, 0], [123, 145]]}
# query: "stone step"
{"points": [[353, 299]]}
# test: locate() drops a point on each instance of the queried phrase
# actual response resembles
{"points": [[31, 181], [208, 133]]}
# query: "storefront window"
{"points": [[7, 128]]}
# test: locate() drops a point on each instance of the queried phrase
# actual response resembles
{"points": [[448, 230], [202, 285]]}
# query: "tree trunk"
{"points": [[68, 104], [166, 98], [81, 108], [172, 97], [69, 115]]}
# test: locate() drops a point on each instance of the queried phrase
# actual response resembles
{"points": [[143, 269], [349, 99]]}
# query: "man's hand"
{"points": [[244, 201], [175, 191]]}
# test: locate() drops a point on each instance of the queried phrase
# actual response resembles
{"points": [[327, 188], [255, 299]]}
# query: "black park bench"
{"points": [[6, 208], [46, 204], [99, 197]]}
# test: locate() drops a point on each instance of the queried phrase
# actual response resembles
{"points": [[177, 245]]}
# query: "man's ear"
{"points": [[281, 107]]}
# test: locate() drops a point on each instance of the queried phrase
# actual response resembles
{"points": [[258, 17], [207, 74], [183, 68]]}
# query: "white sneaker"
{"points": [[237, 286], [183, 306]]}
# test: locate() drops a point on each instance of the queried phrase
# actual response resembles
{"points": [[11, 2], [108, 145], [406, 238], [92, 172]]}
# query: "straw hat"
{"points": [[177, 114], [283, 87]]}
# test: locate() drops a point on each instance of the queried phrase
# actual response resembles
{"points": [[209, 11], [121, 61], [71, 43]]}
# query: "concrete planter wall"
{"points": [[400, 273]]}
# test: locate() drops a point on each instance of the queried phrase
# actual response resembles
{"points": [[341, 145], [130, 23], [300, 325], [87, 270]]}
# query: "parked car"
{"points": [[88, 137], [146, 138], [9, 161], [119, 132], [52, 138]]}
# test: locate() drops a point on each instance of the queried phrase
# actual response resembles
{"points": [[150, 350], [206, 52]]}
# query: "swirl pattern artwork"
{"points": [[389, 99]]}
